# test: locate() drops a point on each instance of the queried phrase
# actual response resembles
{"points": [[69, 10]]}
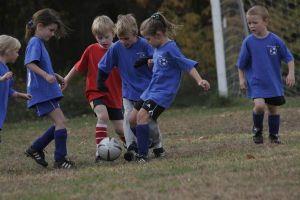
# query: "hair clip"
{"points": [[156, 16], [30, 23]]}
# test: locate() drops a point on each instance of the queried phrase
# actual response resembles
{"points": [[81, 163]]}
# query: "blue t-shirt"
{"points": [[260, 59], [134, 80], [37, 86], [169, 63], [5, 91]]}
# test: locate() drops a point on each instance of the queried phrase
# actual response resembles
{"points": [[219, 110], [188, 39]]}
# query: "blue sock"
{"points": [[258, 119], [60, 137], [274, 122], [142, 134], [133, 129], [41, 142]]}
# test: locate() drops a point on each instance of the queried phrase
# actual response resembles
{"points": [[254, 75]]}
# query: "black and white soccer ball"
{"points": [[109, 149]]}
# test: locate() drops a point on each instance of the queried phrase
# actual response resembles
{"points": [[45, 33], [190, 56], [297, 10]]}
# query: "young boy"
{"points": [[124, 54], [9, 48], [259, 66], [106, 105]]}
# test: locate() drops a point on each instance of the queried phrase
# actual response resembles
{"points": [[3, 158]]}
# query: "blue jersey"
{"points": [[134, 80], [37, 86], [5, 91], [260, 59], [169, 63]]}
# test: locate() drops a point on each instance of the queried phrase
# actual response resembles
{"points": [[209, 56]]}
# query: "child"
{"points": [[168, 65], [9, 48], [124, 54], [260, 61], [106, 105], [43, 86]]}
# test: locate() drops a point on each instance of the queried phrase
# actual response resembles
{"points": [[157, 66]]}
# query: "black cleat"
{"points": [[130, 155], [159, 152], [274, 139], [38, 156], [257, 137], [64, 164]]}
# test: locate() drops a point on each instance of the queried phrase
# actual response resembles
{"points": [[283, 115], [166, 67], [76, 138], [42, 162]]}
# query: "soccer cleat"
{"points": [[131, 152], [257, 137], [64, 164], [38, 156], [98, 159], [159, 152], [141, 159], [274, 139]]}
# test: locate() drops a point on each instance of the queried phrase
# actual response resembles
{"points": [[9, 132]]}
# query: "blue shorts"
{"points": [[46, 107]]}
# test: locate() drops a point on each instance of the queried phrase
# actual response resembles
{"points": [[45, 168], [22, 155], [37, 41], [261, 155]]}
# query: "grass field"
{"points": [[210, 155]]}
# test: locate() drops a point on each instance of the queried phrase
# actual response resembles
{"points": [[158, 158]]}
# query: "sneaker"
{"points": [[274, 139], [98, 159], [38, 156], [159, 152], [131, 152], [64, 164], [257, 137], [141, 159]]}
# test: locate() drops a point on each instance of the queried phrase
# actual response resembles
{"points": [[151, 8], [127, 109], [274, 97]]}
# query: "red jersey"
{"points": [[88, 65]]}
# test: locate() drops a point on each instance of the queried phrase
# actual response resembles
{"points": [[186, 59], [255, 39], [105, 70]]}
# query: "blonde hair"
{"points": [[102, 25], [158, 22], [126, 24], [8, 43], [260, 11], [46, 17]]}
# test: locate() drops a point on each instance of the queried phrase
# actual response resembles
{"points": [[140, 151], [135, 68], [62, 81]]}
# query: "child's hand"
{"points": [[22, 95], [50, 78], [243, 85], [61, 80], [64, 84], [204, 84], [290, 80], [6, 76]]}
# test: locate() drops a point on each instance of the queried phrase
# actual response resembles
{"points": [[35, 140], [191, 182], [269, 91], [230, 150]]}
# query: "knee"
{"points": [[272, 110], [259, 107], [61, 123], [143, 117], [132, 120], [102, 117]]}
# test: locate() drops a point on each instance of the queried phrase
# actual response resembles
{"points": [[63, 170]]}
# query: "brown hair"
{"points": [[158, 22], [46, 17], [126, 24], [260, 11]]}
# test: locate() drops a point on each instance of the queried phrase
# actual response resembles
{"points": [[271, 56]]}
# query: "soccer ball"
{"points": [[109, 149]]}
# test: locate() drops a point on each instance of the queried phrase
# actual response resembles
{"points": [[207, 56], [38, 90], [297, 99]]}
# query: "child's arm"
{"points": [[21, 95], [201, 82], [48, 77], [290, 79], [72, 73], [243, 85], [6, 76]]}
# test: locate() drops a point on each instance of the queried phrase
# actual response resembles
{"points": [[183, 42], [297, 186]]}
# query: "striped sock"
{"points": [[101, 132]]}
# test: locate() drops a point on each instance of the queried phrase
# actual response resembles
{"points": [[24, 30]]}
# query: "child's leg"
{"points": [[60, 134], [258, 118], [274, 123], [142, 132], [118, 126], [129, 135], [40, 143], [102, 120]]}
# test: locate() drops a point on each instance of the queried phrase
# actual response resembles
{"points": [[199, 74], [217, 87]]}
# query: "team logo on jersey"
{"points": [[141, 54], [163, 61], [272, 50]]}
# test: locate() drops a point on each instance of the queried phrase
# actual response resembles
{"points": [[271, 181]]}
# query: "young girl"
{"points": [[169, 63], [259, 67], [43, 86], [9, 48], [106, 105]]}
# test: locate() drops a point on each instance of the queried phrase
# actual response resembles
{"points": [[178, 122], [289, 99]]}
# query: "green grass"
{"points": [[210, 155]]}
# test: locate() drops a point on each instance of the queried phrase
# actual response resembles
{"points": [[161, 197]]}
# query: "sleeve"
{"points": [[82, 65], [108, 61], [284, 52], [244, 56], [11, 90], [149, 50], [33, 52]]}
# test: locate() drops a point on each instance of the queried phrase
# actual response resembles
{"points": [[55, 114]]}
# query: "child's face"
{"points": [[12, 55], [257, 25], [46, 32], [105, 40], [128, 40], [155, 40]]}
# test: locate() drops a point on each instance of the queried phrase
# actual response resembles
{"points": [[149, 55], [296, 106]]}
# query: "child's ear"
{"points": [[39, 26]]}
